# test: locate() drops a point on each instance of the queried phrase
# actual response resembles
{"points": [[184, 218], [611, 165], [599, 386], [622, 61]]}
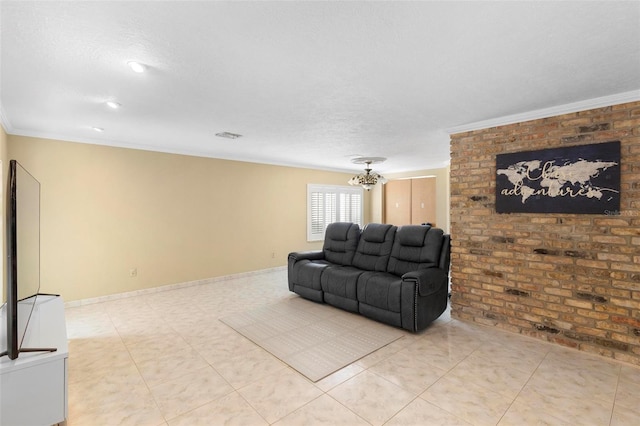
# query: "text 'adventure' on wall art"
{"points": [[577, 179]]}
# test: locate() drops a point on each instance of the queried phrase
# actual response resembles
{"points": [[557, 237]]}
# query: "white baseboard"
{"points": [[110, 297]]}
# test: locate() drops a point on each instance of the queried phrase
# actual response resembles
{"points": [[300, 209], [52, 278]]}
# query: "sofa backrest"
{"points": [[340, 242], [415, 247], [374, 248]]}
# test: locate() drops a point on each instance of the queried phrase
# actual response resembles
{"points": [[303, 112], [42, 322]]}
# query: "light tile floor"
{"points": [[165, 359]]}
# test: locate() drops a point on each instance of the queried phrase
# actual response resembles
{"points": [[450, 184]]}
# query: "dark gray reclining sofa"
{"points": [[396, 275]]}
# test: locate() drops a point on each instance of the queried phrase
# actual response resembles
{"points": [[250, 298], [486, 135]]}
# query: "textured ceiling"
{"points": [[306, 83]]}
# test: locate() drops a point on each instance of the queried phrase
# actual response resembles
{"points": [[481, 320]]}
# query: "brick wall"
{"points": [[566, 278]]}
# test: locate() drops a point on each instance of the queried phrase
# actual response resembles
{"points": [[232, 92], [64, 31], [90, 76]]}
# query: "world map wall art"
{"points": [[579, 179]]}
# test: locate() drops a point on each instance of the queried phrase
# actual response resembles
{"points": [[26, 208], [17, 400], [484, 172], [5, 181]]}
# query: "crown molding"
{"points": [[4, 121], [603, 101], [171, 150]]}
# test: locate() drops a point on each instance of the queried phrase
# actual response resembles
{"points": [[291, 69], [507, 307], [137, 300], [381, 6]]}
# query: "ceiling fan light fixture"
{"points": [[369, 178]]}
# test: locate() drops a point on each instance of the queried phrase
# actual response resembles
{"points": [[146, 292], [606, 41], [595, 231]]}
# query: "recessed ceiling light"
{"points": [[113, 104], [228, 135], [136, 66], [98, 129]]}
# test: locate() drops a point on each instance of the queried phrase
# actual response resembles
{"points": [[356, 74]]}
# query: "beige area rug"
{"points": [[313, 338]]}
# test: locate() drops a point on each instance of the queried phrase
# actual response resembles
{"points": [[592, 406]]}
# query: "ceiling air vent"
{"points": [[228, 135]]}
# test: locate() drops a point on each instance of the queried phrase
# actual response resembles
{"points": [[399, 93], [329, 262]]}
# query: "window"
{"points": [[331, 203]]}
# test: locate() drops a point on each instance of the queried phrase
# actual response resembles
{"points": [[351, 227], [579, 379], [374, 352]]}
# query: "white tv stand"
{"points": [[33, 387]]}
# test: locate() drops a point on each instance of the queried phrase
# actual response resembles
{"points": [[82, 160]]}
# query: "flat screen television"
{"points": [[23, 257]]}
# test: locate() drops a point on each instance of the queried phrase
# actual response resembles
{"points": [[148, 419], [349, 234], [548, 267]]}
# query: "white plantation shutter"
{"points": [[351, 208], [331, 203]]}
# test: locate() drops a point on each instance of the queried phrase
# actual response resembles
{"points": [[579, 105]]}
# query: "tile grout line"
{"points": [[525, 385]]}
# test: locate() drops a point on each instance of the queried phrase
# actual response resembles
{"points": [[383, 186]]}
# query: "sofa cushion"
{"points": [[340, 242], [340, 281], [407, 255], [374, 247], [376, 232], [380, 289], [413, 236]]}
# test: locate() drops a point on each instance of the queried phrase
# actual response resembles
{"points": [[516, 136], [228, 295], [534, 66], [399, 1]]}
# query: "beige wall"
{"points": [[4, 161], [105, 211], [442, 195], [3, 152]]}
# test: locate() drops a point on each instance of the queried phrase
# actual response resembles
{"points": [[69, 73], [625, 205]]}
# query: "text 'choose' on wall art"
{"points": [[578, 179]]}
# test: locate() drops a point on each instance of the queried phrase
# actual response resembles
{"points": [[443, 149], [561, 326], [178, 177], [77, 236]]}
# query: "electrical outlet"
{"points": [[133, 272], [273, 254]]}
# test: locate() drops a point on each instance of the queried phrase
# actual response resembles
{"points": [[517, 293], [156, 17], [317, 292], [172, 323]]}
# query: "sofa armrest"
{"points": [[306, 255], [428, 280], [297, 258]]}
